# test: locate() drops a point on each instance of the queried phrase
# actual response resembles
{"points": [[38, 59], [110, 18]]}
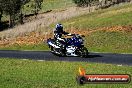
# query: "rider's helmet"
{"points": [[59, 27]]}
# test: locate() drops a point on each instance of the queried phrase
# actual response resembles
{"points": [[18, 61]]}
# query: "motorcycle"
{"points": [[73, 46]]}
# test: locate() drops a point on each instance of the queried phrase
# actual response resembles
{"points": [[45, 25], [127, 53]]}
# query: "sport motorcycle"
{"points": [[73, 46]]}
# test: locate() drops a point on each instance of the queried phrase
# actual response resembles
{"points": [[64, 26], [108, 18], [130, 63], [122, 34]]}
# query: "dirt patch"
{"points": [[32, 38], [78, 31], [107, 29], [117, 28]]}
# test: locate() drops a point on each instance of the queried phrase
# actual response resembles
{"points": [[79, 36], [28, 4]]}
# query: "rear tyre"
{"points": [[58, 52], [62, 52], [52, 50], [84, 52]]}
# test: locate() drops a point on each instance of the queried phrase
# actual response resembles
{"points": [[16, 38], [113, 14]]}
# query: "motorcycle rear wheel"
{"points": [[58, 53]]}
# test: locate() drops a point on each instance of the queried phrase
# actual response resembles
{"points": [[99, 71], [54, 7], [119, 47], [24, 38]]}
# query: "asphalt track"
{"points": [[120, 59]]}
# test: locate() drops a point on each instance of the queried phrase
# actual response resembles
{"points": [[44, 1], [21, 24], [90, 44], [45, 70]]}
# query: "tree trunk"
{"points": [[89, 5], [10, 21], [36, 11], [1, 13], [21, 18]]}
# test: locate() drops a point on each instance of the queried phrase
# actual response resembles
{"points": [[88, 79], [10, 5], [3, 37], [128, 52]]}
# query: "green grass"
{"points": [[101, 41], [53, 74], [56, 4], [115, 42], [121, 15], [37, 47], [50, 5]]}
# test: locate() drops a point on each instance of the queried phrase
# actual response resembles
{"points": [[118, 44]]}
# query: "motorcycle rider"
{"points": [[58, 32]]}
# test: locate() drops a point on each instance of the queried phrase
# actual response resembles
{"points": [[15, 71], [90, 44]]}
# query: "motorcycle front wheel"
{"points": [[84, 52]]}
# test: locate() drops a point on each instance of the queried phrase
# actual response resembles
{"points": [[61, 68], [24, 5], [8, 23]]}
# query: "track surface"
{"points": [[123, 59]]}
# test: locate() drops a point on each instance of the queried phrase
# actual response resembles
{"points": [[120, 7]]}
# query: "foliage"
{"points": [[13, 8], [36, 5], [103, 3], [82, 2]]}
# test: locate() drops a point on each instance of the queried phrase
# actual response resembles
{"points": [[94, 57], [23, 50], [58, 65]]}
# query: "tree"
{"points": [[23, 2], [11, 8], [1, 13], [14, 8], [36, 6], [82, 2]]}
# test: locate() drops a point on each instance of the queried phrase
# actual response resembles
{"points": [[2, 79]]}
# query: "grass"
{"points": [[46, 6], [37, 47], [50, 5], [99, 41], [53, 74], [56, 4], [115, 42], [102, 41], [121, 15]]}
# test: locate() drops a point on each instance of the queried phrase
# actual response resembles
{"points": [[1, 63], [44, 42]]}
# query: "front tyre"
{"points": [[52, 49], [84, 52]]}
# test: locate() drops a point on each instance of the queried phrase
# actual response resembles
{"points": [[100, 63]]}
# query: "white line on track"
{"points": [[119, 65], [41, 60]]}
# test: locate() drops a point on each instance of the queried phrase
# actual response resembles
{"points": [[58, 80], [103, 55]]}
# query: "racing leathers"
{"points": [[60, 41]]}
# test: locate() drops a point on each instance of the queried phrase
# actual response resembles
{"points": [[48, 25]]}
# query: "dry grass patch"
{"points": [[118, 28], [32, 38], [107, 29], [38, 37]]}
